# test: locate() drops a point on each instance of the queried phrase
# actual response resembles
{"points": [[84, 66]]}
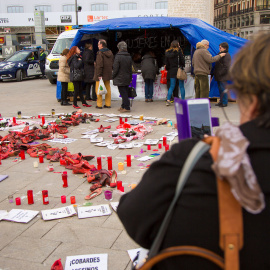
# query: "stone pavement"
{"points": [[37, 244]]}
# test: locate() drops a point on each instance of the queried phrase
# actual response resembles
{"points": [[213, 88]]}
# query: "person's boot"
{"points": [[66, 103]]}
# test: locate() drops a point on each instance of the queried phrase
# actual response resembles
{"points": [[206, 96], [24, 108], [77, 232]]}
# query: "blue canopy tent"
{"points": [[194, 30]]}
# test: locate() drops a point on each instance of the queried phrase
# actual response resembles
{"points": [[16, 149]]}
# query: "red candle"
{"points": [[109, 159], [72, 199], [122, 189], [41, 160], [64, 178], [148, 147], [119, 184], [63, 199], [43, 120], [14, 120], [159, 146], [128, 160], [120, 121], [99, 165], [30, 196], [18, 201], [167, 147], [45, 196], [39, 116], [164, 141], [126, 119], [22, 155]]}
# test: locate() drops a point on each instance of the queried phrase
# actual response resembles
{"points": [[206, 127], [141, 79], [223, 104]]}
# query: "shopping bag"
{"points": [[101, 88], [181, 74], [163, 79]]}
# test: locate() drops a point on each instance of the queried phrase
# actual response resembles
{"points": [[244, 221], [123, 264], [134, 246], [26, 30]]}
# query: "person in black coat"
{"points": [[149, 72], [122, 74], [195, 220], [88, 58], [174, 60], [221, 73], [75, 63]]}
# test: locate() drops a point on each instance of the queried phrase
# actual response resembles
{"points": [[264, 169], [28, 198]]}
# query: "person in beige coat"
{"points": [[202, 63], [63, 76]]}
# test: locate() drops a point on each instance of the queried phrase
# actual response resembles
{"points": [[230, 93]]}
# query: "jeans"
{"points": [[123, 90], [223, 95], [149, 88], [172, 85]]}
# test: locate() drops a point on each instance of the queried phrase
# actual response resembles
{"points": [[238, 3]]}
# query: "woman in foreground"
{"points": [[195, 220]]}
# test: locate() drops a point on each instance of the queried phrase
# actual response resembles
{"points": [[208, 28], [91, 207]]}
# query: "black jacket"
{"points": [[195, 220], [122, 69], [76, 66], [149, 67], [172, 62], [88, 58], [221, 70]]}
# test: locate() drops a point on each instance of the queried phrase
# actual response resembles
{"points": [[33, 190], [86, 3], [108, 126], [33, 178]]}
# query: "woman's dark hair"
{"points": [[72, 51], [250, 74], [224, 45], [65, 52], [174, 46]]}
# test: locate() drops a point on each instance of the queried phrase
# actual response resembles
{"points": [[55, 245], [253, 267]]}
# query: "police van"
{"points": [[21, 64], [52, 62]]}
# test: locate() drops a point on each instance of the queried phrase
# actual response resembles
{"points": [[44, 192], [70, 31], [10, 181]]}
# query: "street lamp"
{"points": [[77, 8]]}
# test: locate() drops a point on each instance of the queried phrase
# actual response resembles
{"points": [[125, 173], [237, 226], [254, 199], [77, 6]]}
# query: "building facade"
{"points": [[242, 18], [17, 17], [201, 9]]}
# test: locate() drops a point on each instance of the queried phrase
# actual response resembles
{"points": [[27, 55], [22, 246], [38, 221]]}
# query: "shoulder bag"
{"points": [[132, 92], [181, 74], [230, 220]]}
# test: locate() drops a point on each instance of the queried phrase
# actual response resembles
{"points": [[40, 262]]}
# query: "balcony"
{"points": [[263, 7], [221, 3]]}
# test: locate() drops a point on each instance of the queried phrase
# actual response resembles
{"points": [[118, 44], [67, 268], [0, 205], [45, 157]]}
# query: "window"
{"points": [[15, 9], [161, 5], [43, 8], [99, 7], [265, 19], [68, 8], [128, 6]]}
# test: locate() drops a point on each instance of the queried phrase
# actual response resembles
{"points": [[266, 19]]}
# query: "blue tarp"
{"points": [[193, 29]]}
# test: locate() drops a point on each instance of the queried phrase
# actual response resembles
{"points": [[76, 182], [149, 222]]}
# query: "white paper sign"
{"points": [[91, 261], [137, 144], [173, 133], [105, 143], [114, 205], [90, 132], [20, 215], [126, 146], [96, 140], [94, 211], [151, 142], [65, 141], [169, 138], [3, 213], [57, 213], [111, 115], [145, 158], [111, 120], [112, 146]]}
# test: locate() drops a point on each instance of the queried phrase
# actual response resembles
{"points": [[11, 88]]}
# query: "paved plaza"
{"points": [[37, 244]]}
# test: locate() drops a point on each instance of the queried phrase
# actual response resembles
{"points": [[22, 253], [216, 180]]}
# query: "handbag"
{"points": [[230, 219], [132, 92], [181, 73], [101, 88], [78, 74]]}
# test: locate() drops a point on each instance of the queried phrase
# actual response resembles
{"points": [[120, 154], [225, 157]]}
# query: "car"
{"points": [[22, 64]]}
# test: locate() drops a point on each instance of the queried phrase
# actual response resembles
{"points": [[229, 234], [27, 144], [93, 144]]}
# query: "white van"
{"points": [[63, 42]]}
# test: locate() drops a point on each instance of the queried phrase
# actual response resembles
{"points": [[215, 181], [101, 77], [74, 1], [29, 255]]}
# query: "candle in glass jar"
{"points": [[99, 165], [109, 159]]}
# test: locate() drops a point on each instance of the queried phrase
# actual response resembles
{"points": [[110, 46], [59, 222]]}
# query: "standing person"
{"points": [[42, 60], [202, 63], [243, 160], [76, 75], [149, 73], [221, 73], [63, 76], [122, 74], [174, 60], [103, 70], [88, 58]]}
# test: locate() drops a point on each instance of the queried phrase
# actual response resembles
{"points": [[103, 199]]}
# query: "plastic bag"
{"points": [[163, 79], [101, 88]]}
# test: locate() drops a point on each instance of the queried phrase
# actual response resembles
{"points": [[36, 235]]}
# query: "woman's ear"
{"points": [[253, 107]]}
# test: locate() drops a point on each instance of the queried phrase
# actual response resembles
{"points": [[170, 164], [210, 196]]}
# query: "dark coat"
{"points": [[75, 63], [172, 63], [221, 70], [104, 63], [149, 67], [122, 69], [88, 58], [195, 219]]}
